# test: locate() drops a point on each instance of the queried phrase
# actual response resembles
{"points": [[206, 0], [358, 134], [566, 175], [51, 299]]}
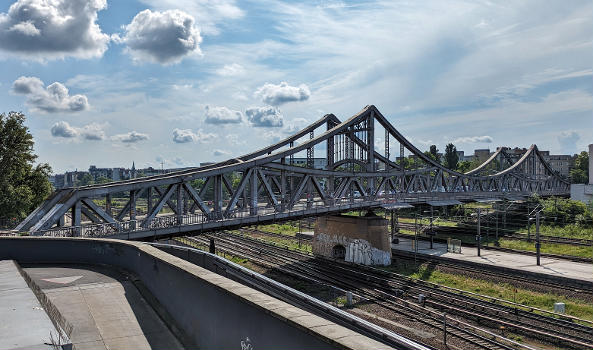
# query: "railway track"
{"points": [[576, 289], [397, 293], [471, 230]]}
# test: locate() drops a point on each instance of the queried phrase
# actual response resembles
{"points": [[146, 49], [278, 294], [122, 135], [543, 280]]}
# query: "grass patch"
{"points": [[545, 301], [292, 244], [425, 221], [237, 260], [281, 229], [570, 230], [549, 248]]}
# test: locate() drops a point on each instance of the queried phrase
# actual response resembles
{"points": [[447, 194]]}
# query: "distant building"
{"points": [[482, 154], [582, 192], [318, 163], [96, 173], [562, 163]]}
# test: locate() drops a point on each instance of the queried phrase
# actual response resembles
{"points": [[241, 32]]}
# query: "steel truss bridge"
{"points": [[266, 186]]}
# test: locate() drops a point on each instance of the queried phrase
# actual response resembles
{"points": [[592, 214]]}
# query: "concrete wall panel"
{"points": [[214, 311]]}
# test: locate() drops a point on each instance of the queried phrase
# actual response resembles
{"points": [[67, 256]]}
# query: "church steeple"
{"points": [[133, 172]]}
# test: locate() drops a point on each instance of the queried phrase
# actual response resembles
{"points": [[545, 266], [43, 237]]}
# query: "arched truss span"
{"points": [[268, 185]]}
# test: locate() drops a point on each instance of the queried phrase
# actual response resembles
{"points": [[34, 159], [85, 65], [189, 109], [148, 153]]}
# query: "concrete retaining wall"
{"points": [[213, 311]]}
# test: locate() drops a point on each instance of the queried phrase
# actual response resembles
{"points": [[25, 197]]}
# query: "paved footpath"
{"points": [[105, 309], [23, 322], [555, 267]]}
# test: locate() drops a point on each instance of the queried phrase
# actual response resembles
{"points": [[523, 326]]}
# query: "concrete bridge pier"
{"points": [[362, 240]]}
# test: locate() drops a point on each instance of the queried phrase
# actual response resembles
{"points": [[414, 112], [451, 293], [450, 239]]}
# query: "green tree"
{"points": [[23, 186], [451, 156], [580, 173], [85, 180], [464, 166], [433, 153], [103, 180]]}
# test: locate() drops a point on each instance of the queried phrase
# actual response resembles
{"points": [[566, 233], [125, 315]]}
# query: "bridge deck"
{"points": [[167, 225]]}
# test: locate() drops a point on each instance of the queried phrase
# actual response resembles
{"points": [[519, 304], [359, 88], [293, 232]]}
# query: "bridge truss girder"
{"points": [[263, 182]]}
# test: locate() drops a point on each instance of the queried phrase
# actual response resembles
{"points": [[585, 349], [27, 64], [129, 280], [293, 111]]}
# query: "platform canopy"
{"points": [[443, 203], [393, 206]]}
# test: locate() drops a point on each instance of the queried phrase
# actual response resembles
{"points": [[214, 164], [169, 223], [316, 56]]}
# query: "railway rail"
{"points": [[396, 292], [471, 230]]}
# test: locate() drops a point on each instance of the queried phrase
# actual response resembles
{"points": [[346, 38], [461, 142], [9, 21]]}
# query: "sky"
{"points": [[177, 82]]}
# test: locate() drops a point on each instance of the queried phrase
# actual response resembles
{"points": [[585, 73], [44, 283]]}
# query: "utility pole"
{"points": [[415, 236], [487, 225], [497, 225], [479, 236], [537, 242], [431, 231]]}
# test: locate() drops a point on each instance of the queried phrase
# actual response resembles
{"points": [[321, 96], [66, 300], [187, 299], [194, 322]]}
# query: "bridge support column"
{"points": [[330, 190], [76, 213], [283, 195], [179, 204], [309, 194], [108, 204], [253, 192], [133, 194], [361, 240], [371, 151], [218, 196], [149, 200]]}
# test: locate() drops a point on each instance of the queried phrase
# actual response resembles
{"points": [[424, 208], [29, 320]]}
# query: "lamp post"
{"points": [[479, 235]]}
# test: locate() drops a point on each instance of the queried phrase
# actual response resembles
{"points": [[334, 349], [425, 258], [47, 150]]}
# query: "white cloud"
{"points": [[162, 37], [207, 13], [41, 29], [233, 139], [53, 98], [278, 94], [220, 152], [473, 139], [63, 129], [267, 116], [178, 161], [183, 136], [92, 131], [568, 141], [131, 137], [222, 115], [295, 126], [230, 70], [187, 135]]}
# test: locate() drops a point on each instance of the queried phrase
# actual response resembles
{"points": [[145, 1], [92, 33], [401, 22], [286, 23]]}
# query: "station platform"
{"points": [[24, 324], [549, 266]]}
